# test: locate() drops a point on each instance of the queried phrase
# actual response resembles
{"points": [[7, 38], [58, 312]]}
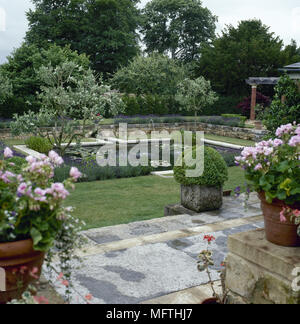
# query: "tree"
{"points": [[155, 74], [194, 95], [247, 50], [291, 53], [21, 69], [177, 27], [71, 99], [105, 30], [285, 108], [5, 88]]}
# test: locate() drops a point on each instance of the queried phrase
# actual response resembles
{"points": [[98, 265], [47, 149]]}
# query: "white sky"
{"points": [[283, 16]]}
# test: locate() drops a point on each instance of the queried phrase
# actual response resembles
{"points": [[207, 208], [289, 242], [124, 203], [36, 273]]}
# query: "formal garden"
{"points": [[101, 143]]}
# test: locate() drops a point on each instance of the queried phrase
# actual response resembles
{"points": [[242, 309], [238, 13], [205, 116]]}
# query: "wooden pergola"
{"points": [[293, 71]]}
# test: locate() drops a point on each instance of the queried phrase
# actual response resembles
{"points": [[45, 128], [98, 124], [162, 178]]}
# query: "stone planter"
{"points": [[201, 198]]}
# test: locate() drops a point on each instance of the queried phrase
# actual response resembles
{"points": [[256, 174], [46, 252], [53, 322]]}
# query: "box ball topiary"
{"points": [[215, 170]]}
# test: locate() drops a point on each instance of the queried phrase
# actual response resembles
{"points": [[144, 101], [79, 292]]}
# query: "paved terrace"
{"points": [[156, 261]]}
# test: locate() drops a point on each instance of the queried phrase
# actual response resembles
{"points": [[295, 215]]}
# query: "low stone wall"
{"points": [[259, 272], [235, 132]]}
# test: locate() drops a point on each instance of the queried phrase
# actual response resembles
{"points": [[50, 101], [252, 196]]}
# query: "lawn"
{"points": [[231, 140], [122, 201]]}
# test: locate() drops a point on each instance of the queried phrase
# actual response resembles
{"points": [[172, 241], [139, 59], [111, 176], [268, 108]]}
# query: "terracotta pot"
{"points": [[283, 234], [14, 256], [210, 301]]}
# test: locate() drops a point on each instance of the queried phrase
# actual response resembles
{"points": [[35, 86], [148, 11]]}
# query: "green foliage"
{"points": [[194, 95], [105, 30], [72, 99], [283, 113], [247, 50], [177, 27], [243, 119], [274, 168], [39, 144], [150, 105], [16, 164], [21, 69], [5, 88], [96, 173], [224, 105], [215, 170], [155, 74], [291, 53]]}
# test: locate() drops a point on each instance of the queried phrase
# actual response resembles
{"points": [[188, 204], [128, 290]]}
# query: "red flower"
{"points": [[209, 238], [89, 297]]}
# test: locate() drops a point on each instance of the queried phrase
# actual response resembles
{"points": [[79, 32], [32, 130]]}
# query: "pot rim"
{"points": [[16, 248], [276, 202]]}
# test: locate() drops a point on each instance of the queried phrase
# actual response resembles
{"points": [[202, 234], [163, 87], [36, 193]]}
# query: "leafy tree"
{"points": [[291, 53], [21, 69], [285, 107], [5, 88], [103, 29], [195, 95], [71, 99], [248, 50], [155, 74], [177, 27]]}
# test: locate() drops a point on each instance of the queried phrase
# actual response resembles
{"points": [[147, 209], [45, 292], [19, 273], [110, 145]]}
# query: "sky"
{"points": [[283, 16]]}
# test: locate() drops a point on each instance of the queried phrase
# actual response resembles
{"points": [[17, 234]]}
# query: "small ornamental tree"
{"points": [[195, 95], [245, 105], [71, 99]]}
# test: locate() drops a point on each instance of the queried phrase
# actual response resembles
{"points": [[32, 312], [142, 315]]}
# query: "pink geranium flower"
{"points": [[75, 173], [8, 153], [282, 216]]}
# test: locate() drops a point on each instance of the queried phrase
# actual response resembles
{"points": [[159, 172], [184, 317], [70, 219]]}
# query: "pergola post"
{"points": [[253, 101]]}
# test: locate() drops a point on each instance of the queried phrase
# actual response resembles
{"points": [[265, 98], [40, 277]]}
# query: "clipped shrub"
{"points": [[215, 170], [39, 144]]}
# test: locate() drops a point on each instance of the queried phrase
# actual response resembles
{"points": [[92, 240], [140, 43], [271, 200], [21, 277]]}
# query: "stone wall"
{"points": [[235, 132], [259, 272]]}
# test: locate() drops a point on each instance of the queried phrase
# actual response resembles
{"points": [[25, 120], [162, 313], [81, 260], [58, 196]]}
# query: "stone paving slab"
{"points": [[144, 272], [194, 295], [232, 209]]}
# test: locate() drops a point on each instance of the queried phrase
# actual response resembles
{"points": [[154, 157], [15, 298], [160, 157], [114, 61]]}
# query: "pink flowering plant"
{"points": [[273, 167], [31, 203]]}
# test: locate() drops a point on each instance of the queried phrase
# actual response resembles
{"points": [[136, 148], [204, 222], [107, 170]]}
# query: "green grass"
{"points": [[122, 201], [231, 140]]}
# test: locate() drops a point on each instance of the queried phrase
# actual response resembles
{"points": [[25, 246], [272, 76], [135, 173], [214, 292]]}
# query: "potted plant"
{"points": [[273, 167], [32, 220], [205, 262], [204, 192]]}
